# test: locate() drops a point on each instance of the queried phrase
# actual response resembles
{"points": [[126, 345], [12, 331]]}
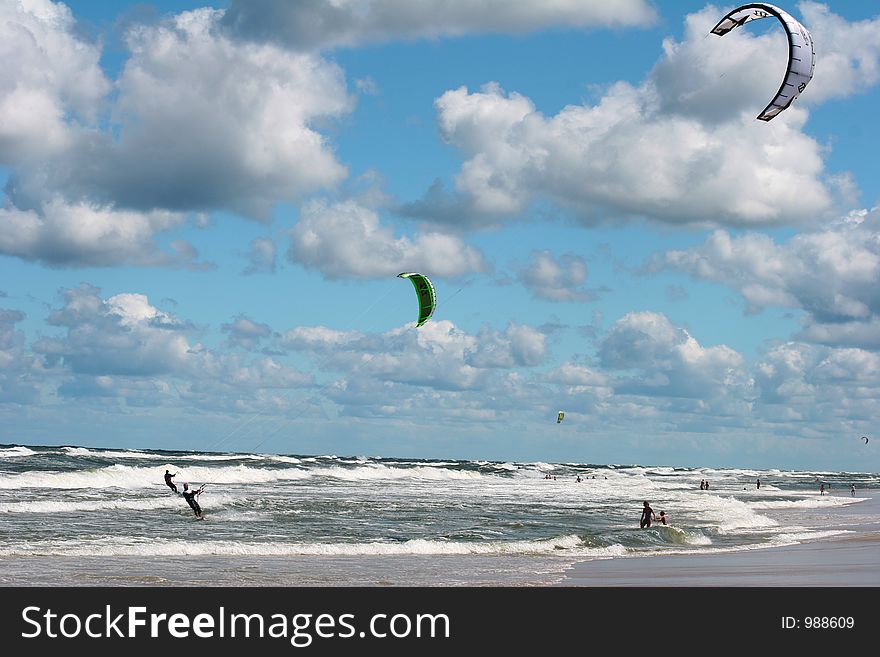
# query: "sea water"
{"points": [[89, 516]]}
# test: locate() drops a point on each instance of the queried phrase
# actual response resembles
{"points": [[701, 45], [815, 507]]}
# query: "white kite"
{"points": [[801, 55]]}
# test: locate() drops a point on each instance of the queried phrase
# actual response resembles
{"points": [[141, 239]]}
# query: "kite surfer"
{"points": [[168, 481], [190, 497]]}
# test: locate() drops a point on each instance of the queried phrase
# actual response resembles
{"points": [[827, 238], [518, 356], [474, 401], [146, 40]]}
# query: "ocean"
{"points": [[96, 516]]}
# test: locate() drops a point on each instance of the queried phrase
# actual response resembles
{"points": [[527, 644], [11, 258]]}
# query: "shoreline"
{"points": [[846, 560]]}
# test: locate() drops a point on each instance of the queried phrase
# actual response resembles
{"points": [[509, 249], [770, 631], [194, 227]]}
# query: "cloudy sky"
{"points": [[204, 208]]}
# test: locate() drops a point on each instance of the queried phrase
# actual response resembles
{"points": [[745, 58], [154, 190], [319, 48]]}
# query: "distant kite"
{"points": [[801, 55], [560, 416], [865, 438]]}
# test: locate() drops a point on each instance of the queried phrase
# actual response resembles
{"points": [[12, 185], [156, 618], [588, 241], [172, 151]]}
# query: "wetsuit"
{"points": [[190, 496], [170, 483], [647, 513]]}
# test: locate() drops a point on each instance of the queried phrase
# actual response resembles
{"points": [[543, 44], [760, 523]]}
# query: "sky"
{"points": [[205, 207]]}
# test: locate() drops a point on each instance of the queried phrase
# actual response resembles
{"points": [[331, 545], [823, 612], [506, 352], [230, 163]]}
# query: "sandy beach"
{"points": [[852, 559]]}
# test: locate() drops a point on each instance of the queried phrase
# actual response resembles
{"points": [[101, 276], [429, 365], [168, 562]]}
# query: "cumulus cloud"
{"points": [[18, 369], [198, 121], [573, 374], [668, 361], [805, 388], [123, 346], [832, 274], [246, 333], [120, 335], [204, 123], [438, 356], [849, 51], [683, 147], [60, 234], [51, 83], [346, 240], [327, 24], [433, 356], [319, 338], [647, 370], [516, 346], [556, 281]]}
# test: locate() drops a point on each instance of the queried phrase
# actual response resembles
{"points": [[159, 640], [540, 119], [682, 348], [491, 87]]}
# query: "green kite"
{"points": [[425, 291]]}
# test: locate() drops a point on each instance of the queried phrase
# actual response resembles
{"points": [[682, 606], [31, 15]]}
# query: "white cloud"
{"points": [[19, 373], [48, 74], [318, 338], [683, 147], [670, 362], [848, 54], [327, 24], [556, 281], [807, 387], [346, 240], [435, 355], [438, 356], [205, 122], [123, 335], [516, 346], [86, 235], [125, 344], [832, 274], [246, 333], [198, 121]]}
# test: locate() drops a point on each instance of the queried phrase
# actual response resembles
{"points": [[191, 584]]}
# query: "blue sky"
{"points": [[205, 207]]}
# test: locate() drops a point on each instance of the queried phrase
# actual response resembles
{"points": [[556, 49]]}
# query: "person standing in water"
{"points": [[647, 516], [663, 517], [168, 481], [190, 497], [759, 482]]}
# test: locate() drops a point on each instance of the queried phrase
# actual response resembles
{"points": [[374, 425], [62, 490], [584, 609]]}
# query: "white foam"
{"points": [[124, 476], [160, 547], [808, 503], [801, 536], [127, 477], [54, 506], [11, 452], [134, 454], [284, 459], [731, 515], [380, 471]]}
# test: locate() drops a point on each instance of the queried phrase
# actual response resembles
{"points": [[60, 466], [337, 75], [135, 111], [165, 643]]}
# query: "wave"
{"points": [[380, 471], [730, 515], [559, 546], [124, 476], [678, 536], [12, 452], [53, 506], [799, 537], [134, 454], [809, 503]]}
